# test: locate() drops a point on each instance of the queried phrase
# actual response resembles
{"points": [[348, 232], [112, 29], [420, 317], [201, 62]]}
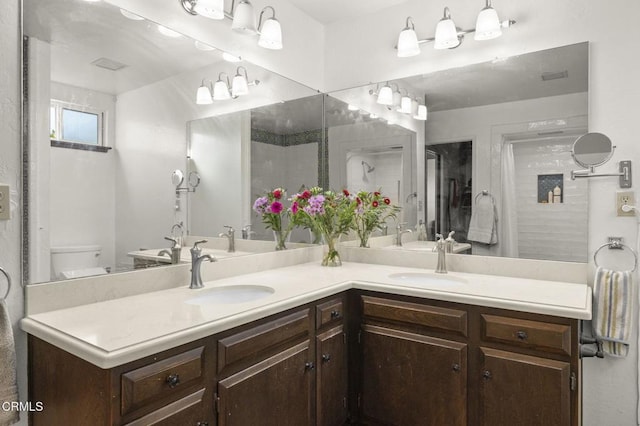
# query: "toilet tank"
{"points": [[69, 261]]}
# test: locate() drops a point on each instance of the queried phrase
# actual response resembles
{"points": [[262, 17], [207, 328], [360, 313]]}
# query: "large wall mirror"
{"points": [[112, 116]]}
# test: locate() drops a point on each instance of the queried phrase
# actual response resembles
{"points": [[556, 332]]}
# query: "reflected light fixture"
{"points": [[244, 21], [203, 95], [397, 97], [352, 107], [168, 32], [203, 46], [385, 95], [212, 9], [421, 113], [231, 58], [408, 40], [446, 32], [240, 83], [270, 31], [131, 15], [405, 104], [221, 88], [448, 36]]}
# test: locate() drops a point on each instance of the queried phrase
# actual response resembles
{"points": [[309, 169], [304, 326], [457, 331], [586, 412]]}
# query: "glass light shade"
{"points": [[203, 96], [421, 113], [397, 97], [405, 105], [446, 35], [131, 15], [239, 86], [244, 20], [221, 91], [487, 25], [414, 108], [168, 32], [408, 43], [230, 58], [213, 9], [271, 34], [203, 46], [385, 97], [373, 116]]}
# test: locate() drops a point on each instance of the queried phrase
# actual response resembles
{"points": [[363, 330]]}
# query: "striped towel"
{"points": [[612, 310]]}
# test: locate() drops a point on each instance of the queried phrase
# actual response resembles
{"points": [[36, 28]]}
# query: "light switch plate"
{"points": [[5, 202]]}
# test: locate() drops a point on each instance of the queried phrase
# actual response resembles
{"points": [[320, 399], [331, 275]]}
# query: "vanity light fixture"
{"points": [[270, 31], [203, 95], [385, 95], [421, 113], [240, 83], [405, 104], [221, 88], [242, 17], [448, 36]]}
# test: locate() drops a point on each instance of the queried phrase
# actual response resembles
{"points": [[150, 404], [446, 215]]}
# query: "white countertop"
{"points": [[118, 331]]}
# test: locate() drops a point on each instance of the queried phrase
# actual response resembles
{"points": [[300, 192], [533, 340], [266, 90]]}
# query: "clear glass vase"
{"points": [[364, 238], [280, 238], [331, 256]]}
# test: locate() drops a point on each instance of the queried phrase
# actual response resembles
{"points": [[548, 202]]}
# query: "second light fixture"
{"points": [[222, 89]]}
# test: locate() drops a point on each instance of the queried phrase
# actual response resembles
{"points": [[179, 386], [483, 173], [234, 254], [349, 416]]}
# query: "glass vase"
{"points": [[315, 236], [364, 238], [280, 238], [332, 257]]}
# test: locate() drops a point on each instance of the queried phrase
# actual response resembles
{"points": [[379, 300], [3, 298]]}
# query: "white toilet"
{"points": [[75, 262]]}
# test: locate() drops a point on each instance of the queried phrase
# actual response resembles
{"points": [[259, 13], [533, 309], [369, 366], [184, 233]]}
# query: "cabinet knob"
{"points": [[326, 357], [173, 380], [309, 366], [456, 367], [486, 374], [335, 314], [522, 335]]}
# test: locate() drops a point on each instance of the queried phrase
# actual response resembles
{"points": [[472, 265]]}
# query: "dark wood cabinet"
{"points": [[355, 358], [412, 379], [273, 392], [332, 377]]}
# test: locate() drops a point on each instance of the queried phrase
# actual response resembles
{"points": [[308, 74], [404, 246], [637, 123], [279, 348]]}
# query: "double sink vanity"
{"points": [[276, 339]]}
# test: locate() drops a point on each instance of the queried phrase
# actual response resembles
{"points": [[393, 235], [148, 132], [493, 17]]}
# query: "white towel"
{"points": [[8, 383], [613, 310], [483, 226]]}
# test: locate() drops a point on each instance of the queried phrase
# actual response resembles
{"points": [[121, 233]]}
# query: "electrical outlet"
{"points": [[625, 198], [5, 202]]}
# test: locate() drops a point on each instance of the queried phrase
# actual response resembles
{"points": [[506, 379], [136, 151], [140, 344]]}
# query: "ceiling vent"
{"points": [[108, 64], [546, 76]]}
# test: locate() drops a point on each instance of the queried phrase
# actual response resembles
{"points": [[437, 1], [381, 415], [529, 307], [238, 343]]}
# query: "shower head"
{"points": [[370, 168]]}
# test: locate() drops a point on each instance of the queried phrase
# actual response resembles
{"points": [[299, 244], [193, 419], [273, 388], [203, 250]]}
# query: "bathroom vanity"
{"points": [[368, 343]]}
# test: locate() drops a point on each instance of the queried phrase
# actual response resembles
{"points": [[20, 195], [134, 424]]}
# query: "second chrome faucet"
{"points": [[196, 262], [231, 236]]}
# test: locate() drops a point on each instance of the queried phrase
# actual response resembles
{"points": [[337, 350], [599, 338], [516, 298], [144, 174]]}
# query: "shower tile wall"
{"points": [[550, 231], [385, 176]]}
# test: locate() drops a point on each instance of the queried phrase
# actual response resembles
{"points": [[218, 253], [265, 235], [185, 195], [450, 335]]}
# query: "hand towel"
{"points": [[8, 381], [613, 310], [483, 226]]}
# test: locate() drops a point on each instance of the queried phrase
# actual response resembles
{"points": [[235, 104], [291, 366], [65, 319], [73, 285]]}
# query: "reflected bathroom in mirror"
{"points": [[91, 210], [592, 149]]}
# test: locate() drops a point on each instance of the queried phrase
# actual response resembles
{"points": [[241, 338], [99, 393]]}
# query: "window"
{"points": [[75, 124]]}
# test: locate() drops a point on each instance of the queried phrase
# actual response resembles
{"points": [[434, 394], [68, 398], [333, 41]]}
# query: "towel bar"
{"points": [[616, 244], [8, 282]]}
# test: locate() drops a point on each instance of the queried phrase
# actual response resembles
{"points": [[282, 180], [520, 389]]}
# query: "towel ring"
{"points": [[8, 282], [484, 193], [617, 245]]}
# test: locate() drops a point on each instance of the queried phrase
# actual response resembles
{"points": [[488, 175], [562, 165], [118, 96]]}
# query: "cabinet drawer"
{"points": [[432, 317], [161, 379], [185, 411], [540, 335], [329, 312], [258, 340]]}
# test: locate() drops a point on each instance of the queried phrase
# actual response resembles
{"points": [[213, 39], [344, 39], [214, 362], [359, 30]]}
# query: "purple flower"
{"points": [[260, 205], [294, 207], [315, 206], [276, 207]]}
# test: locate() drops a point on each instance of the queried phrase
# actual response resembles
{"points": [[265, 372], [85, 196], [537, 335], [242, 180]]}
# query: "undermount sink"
{"points": [[426, 278], [231, 294]]}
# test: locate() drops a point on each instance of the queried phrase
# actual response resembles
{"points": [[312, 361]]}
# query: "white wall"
{"points": [[219, 153], [10, 173], [609, 386]]}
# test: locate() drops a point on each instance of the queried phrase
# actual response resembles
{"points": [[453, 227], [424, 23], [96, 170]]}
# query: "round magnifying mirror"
{"points": [[592, 149], [194, 180], [177, 178]]}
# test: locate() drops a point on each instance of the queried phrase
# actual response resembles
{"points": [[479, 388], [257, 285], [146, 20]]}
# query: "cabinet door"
{"points": [[523, 390], [411, 379], [276, 391], [331, 386], [188, 411]]}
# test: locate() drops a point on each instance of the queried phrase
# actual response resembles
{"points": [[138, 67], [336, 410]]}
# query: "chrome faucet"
{"points": [[175, 251], [246, 232], [399, 232], [384, 229], [441, 267], [449, 242], [196, 262], [180, 227], [231, 236]]}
